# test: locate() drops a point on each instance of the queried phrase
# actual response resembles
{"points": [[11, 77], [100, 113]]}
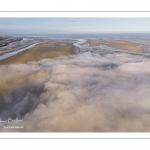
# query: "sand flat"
{"points": [[115, 43], [124, 45], [39, 52]]}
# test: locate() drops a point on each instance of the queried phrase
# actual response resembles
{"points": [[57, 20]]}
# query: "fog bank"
{"points": [[85, 92]]}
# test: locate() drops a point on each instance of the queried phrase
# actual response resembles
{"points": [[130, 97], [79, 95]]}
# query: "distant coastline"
{"points": [[86, 35]]}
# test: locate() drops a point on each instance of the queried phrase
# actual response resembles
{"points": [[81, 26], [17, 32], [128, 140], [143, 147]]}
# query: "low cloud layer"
{"points": [[80, 93]]}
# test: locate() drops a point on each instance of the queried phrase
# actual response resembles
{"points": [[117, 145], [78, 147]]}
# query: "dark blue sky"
{"points": [[73, 25]]}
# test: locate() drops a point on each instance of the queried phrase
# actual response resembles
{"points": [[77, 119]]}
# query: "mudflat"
{"points": [[115, 43], [124, 45], [40, 51]]}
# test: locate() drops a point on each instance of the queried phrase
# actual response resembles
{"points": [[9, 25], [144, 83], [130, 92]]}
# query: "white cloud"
{"points": [[82, 93]]}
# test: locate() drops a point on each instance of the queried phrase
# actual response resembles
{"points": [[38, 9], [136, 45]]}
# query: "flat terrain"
{"points": [[40, 51], [118, 44]]}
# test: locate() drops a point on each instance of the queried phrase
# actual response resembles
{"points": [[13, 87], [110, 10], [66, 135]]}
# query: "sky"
{"points": [[73, 25]]}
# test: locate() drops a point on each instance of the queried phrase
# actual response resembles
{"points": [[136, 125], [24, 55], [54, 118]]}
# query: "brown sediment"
{"points": [[124, 45], [38, 52], [119, 44]]}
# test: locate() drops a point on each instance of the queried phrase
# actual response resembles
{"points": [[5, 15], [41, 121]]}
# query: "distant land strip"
{"points": [[5, 40]]}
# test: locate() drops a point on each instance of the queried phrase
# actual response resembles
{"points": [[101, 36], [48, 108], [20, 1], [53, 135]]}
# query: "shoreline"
{"points": [[75, 50], [8, 55], [80, 46]]}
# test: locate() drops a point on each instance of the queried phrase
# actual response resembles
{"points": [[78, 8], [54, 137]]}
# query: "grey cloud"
{"points": [[82, 93]]}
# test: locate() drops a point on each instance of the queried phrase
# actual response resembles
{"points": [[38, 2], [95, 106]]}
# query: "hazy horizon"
{"points": [[84, 35], [46, 26]]}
